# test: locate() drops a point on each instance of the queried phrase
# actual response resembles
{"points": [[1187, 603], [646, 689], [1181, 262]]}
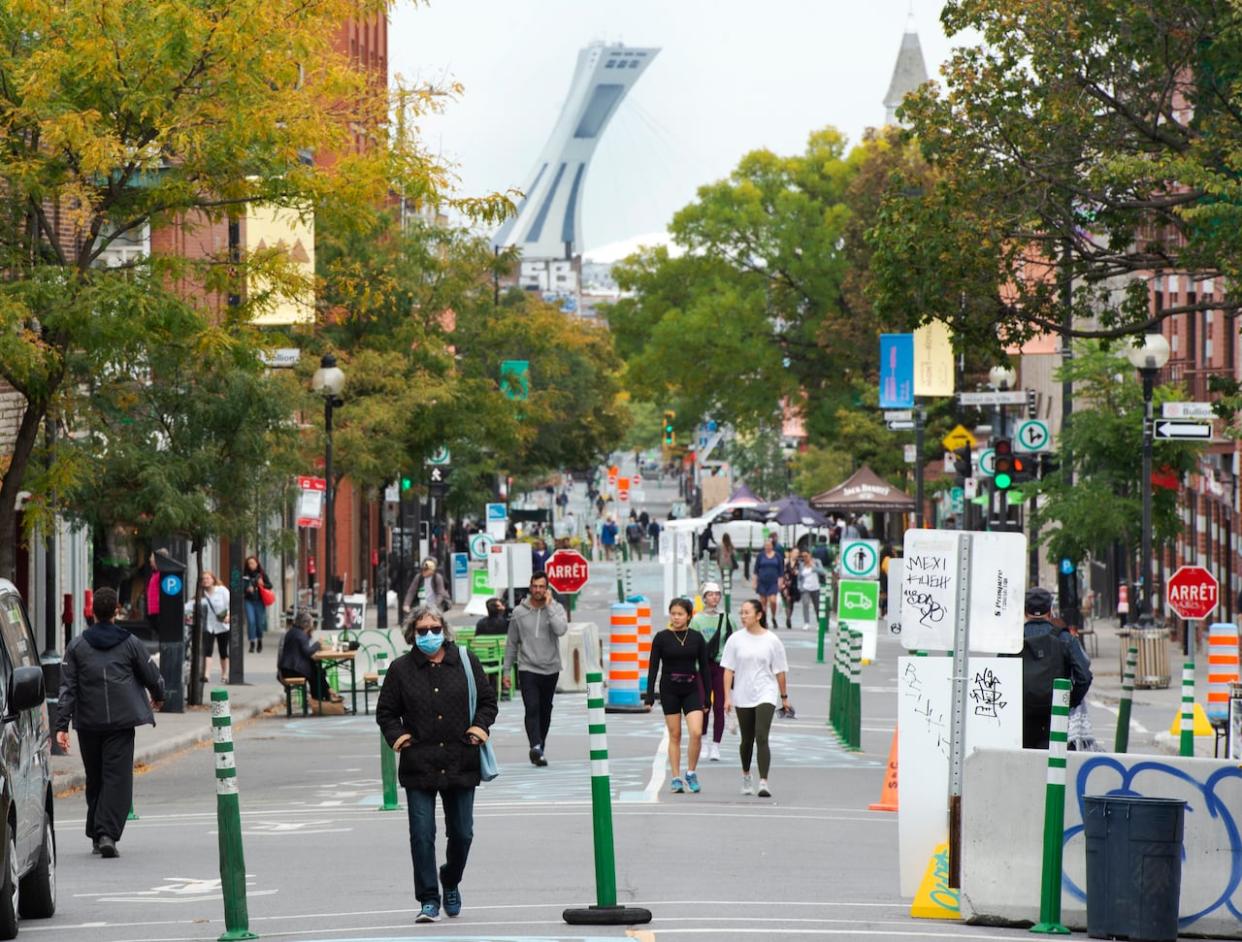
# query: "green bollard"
{"points": [[605, 912], [388, 758], [1187, 744], [834, 685], [1122, 742], [228, 823], [854, 735], [727, 584], [823, 626], [1054, 815]]}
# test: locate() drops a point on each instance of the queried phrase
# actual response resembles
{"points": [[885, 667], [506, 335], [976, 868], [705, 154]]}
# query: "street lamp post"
{"points": [[328, 381], [1147, 358]]}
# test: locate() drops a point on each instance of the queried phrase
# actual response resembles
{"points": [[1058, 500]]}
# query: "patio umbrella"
{"points": [[792, 510]]}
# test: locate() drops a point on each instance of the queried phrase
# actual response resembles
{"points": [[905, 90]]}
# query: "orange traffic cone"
{"points": [[888, 794]]}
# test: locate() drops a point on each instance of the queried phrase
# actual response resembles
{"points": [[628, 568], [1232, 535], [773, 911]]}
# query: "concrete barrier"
{"points": [[582, 650], [1002, 832]]}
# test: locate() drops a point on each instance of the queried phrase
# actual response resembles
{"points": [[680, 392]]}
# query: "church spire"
{"points": [[909, 72]]}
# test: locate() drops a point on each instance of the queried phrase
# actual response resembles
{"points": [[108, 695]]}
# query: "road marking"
{"points": [[659, 762], [1135, 725]]}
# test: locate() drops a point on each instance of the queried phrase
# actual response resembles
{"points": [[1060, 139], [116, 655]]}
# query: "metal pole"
{"points": [[327, 622], [1148, 381], [918, 467], [957, 729], [1122, 741]]}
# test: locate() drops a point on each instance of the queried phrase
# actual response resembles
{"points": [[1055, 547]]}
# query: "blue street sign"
{"points": [[1067, 566], [497, 512], [171, 584], [711, 425], [896, 371]]}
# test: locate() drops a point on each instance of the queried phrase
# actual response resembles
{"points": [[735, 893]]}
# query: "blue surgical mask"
{"points": [[430, 643]]}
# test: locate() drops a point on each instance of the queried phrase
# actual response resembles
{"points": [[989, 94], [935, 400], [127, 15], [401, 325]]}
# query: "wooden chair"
{"points": [[291, 684], [370, 682]]}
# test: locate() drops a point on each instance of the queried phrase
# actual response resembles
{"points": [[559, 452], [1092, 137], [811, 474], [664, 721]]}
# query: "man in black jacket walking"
{"points": [[104, 681]]}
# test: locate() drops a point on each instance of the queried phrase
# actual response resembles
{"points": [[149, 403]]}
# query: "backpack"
{"points": [[634, 532], [1044, 659]]}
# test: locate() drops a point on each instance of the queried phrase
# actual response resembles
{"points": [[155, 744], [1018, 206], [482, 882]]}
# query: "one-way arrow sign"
{"points": [[1193, 430]]}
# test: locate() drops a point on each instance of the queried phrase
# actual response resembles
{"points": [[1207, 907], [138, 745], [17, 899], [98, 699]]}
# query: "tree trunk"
{"points": [[11, 487]]}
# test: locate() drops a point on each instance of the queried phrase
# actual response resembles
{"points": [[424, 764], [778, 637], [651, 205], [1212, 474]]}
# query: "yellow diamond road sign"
{"points": [[957, 438]]}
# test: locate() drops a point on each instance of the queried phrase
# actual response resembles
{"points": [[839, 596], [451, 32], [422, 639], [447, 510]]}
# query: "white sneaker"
{"points": [[764, 791], [748, 787], [713, 752]]}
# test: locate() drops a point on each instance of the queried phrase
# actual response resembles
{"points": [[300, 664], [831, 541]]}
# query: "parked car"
{"points": [[28, 873]]}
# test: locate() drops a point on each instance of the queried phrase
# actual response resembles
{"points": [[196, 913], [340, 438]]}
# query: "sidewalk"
{"points": [[175, 732]]}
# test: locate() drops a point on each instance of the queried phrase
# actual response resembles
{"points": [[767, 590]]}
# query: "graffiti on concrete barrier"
{"points": [[1210, 821]]}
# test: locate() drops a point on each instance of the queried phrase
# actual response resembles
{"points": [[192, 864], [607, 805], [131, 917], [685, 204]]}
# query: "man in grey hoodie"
{"points": [[535, 629], [105, 680]]}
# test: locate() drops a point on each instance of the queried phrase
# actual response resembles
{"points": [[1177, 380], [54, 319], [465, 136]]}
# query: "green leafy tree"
{"points": [[759, 459], [1078, 148], [758, 308], [1104, 504], [116, 117]]}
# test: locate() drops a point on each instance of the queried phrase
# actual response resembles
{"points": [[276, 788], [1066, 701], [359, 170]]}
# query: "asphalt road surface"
{"points": [[324, 863]]}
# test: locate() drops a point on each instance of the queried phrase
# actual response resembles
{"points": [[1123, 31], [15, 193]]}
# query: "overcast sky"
{"points": [[731, 77]]}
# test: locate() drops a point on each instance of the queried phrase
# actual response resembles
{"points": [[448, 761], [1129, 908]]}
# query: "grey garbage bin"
{"points": [[1134, 866]]}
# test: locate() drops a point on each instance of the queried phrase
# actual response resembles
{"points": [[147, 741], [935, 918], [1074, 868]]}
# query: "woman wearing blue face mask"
{"points": [[424, 714]]}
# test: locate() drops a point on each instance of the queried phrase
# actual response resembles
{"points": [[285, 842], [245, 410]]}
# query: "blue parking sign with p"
{"points": [[171, 584]]}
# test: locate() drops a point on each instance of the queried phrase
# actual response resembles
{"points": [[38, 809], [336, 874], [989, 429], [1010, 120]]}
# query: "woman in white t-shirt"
{"points": [[215, 622], [754, 681]]}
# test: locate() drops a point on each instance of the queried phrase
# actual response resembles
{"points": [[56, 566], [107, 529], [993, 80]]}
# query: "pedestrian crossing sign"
{"points": [[860, 559]]}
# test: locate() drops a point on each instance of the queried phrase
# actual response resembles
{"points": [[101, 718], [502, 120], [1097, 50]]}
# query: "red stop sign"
{"points": [[1193, 592], [567, 571]]}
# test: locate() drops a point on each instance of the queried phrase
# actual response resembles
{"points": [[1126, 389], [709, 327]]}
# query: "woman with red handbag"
{"points": [[257, 594]]}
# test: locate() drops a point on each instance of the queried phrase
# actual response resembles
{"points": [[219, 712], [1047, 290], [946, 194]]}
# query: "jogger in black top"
{"points": [[685, 684]]}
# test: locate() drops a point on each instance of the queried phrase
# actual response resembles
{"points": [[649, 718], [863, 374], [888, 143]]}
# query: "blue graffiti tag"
{"points": [[1214, 805]]}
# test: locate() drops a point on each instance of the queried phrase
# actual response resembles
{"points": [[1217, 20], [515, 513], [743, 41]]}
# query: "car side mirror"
{"points": [[25, 691]]}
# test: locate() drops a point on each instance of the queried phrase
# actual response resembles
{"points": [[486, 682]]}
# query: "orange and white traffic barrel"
{"points": [[1222, 668], [623, 672]]}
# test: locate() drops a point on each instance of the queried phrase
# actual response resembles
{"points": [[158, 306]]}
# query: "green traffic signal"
{"points": [[1003, 481], [406, 483]]}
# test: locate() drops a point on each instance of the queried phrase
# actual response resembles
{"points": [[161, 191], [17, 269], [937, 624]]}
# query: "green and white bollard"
{"points": [[605, 912], [840, 679], [1187, 745], [1122, 742], [726, 583], [854, 733], [1054, 814], [823, 626], [834, 685], [228, 823], [388, 758]]}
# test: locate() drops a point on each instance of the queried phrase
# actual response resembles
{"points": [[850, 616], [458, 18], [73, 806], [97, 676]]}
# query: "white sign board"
{"points": [[480, 546], [998, 567], [1187, 410], [497, 521], [910, 453], [893, 615], [506, 557], [1015, 397], [929, 589], [860, 559], [924, 715], [310, 505], [1033, 437]]}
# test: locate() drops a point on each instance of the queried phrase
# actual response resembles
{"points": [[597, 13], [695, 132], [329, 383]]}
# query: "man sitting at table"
{"points": [[296, 659]]}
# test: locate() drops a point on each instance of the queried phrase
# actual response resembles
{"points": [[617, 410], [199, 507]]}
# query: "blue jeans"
{"points": [[458, 824], [256, 619]]}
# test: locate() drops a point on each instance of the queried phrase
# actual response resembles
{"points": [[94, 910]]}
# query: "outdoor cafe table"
{"points": [[337, 657]]}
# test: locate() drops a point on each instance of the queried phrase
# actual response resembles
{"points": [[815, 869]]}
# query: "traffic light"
{"points": [[961, 462], [1003, 464], [407, 482], [1032, 404], [670, 437]]}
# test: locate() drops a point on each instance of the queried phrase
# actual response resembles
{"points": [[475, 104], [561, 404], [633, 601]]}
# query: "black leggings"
{"points": [[755, 723]]}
